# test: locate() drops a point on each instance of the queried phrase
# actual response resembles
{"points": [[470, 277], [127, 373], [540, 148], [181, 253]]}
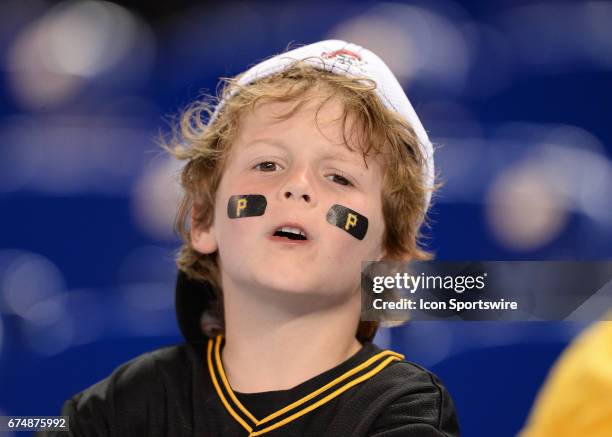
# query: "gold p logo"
{"points": [[240, 205], [348, 220], [351, 221], [246, 205]]}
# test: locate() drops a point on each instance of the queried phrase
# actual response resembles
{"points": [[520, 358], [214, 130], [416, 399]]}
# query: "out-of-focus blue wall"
{"points": [[515, 95]]}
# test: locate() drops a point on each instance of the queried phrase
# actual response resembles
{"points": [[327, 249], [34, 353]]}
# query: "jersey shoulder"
{"points": [[407, 399], [124, 402], [135, 379]]}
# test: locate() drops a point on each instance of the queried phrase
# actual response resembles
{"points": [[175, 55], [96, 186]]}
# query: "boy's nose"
{"points": [[297, 191], [297, 194], [298, 187]]}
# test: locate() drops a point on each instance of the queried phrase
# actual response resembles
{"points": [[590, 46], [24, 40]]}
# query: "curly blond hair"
{"points": [[205, 146]]}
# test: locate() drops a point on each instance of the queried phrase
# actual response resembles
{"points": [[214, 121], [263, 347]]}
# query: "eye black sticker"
{"points": [[348, 220], [246, 205]]}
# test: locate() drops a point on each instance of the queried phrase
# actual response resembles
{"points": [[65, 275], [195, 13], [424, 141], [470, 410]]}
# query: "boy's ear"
{"points": [[202, 239]]}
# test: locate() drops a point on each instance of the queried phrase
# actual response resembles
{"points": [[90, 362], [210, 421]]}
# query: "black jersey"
{"points": [[183, 391]]}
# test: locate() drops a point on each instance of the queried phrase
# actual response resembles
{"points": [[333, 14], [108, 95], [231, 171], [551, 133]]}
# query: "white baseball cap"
{"points": [[344, 58]]}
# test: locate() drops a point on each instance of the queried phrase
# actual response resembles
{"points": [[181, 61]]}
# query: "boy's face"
{"points": [[302, 170]]}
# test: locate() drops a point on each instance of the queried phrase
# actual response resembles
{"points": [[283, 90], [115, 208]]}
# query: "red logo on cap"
{"points": [[341, 53]]}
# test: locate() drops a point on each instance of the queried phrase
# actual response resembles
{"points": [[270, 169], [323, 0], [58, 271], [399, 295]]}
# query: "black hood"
{"points": [[192, 298]]}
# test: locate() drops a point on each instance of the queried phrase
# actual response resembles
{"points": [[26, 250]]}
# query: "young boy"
{"points": [[311, 162]]}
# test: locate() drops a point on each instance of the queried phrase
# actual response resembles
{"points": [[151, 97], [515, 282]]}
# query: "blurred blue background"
{"points": [[515, 95]]}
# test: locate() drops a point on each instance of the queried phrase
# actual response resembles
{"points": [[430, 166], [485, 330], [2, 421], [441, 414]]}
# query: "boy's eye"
{"points": [[339, 179], [266, 166]]}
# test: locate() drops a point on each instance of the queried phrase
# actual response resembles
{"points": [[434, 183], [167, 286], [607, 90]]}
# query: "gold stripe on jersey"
{"points": [[224, 401], [308, 403], [327, 398], [219, 366]]}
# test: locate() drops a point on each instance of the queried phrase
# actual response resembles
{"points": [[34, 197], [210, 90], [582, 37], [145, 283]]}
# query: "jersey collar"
{"points": [[361, 372]]}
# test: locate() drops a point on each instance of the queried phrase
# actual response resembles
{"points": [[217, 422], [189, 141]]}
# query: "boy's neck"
{"points": [[272, 345]]}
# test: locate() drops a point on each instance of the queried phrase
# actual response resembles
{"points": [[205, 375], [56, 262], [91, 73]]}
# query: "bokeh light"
{"points": [[156, 197], [71, 154], [28, 280], [55, 56], [523, 209]]}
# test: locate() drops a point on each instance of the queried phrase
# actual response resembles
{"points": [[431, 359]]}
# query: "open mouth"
{"points": [[291, 233]]}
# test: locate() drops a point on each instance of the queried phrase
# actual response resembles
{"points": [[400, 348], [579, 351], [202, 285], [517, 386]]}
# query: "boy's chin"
{"points": [[289, 286], [310, 293]]}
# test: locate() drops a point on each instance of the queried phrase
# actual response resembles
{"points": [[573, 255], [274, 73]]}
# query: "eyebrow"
{"points": [[264, 142]]}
